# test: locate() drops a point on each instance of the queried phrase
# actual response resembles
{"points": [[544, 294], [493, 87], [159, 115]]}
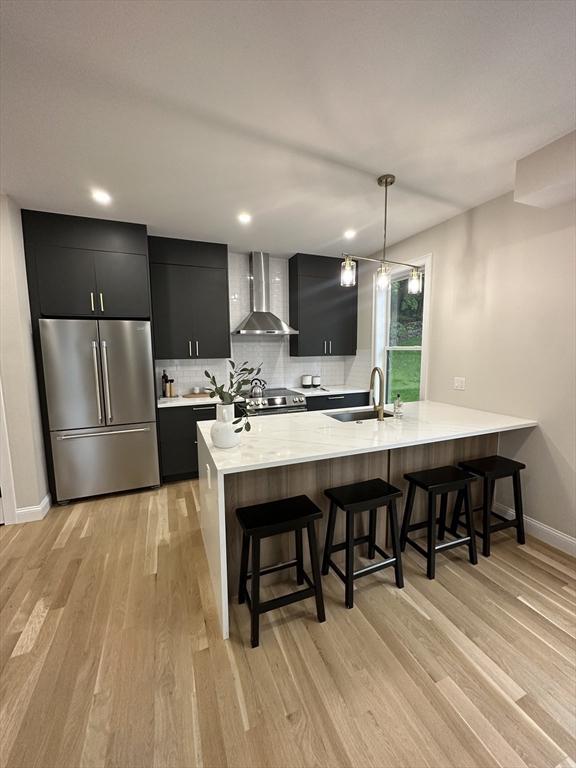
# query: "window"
{"points": [[399, 337]]}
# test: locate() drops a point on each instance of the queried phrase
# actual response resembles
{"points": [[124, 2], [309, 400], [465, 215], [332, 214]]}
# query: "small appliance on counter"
{"points": [[306, 381], [316, 381]]}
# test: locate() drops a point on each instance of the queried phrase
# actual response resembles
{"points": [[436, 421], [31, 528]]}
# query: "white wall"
{"points": [[17, 372], [503, 315]]}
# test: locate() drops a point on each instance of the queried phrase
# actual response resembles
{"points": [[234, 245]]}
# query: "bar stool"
{"points": [[438, 482], [261, 521], [362, 497], [490, 469]]}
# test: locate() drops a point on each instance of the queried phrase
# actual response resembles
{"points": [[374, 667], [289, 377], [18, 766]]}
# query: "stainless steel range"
{"points": [[276, 401]]}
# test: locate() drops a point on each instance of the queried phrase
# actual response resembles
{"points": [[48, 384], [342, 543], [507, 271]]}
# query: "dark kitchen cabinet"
{"points": [[178, 439], [122, 284], [325, 313], [189, 300], [326, 402], [65, 279], [76, 268]]}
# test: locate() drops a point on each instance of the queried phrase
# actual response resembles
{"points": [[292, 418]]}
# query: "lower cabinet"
{"points": [[326, 402], [178, 440]]}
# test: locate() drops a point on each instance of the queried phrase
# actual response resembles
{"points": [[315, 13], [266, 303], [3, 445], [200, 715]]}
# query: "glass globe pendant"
{"points": [[348, 272]]}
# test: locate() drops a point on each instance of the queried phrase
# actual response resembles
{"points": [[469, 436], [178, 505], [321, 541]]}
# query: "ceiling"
{"points": [[189, 112]]}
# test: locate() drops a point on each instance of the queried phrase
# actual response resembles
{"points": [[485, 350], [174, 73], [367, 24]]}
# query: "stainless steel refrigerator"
{"points": [[99, 383]]}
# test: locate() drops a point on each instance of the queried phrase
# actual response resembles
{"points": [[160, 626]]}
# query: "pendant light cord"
{"points": [[385, 223]]}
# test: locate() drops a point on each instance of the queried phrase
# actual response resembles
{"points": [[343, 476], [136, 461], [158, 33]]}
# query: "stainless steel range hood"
{"points": [[261, 321]]}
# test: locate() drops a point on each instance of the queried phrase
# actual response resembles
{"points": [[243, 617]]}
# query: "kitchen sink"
{"points": [[357, 415]]}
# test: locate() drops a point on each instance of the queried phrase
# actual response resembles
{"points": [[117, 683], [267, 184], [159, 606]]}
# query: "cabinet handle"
{"points": [[330, 347], [101, 302], [189, 348], [197, 349], [324, 347], [92, 301], [203, 407], [336, 397]]}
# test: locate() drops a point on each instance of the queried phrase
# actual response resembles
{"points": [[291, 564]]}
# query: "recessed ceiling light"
{"points": [[101, 196], [244, 218], [350, 234]]}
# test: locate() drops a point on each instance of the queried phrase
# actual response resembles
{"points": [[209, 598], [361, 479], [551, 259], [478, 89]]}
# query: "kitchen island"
{"points": [[286, 455]]}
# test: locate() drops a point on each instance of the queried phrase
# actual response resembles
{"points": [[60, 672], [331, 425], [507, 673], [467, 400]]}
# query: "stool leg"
{"points": [[372, 534], [470, 526], [255, 595], [329, 538], [520, 535], [299, 556], [431, 559], [486, 495], [243, 567], [442, 522], [316, 572], [396, 551], [407, 515], [456, 513], [349, 559]]}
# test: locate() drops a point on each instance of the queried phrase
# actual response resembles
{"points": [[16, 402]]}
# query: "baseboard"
{"points": [[31, 514], [541, 531]]}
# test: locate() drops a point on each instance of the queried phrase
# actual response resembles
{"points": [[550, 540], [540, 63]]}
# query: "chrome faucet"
{"points": [[380, 407]]}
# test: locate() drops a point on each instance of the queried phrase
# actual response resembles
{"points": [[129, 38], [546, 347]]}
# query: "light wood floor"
{"points": [[110, 655]]}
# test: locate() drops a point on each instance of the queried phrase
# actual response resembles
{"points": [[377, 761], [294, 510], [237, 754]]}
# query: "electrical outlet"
{"points": [[459, 382]]}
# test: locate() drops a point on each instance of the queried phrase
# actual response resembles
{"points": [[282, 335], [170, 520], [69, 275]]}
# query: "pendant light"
{"points": [[348, 272], [415, 281], [383, 273]]}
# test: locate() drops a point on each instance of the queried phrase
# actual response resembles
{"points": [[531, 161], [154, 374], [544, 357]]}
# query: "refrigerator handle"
{"points": [[106, 380], [97, 380]]}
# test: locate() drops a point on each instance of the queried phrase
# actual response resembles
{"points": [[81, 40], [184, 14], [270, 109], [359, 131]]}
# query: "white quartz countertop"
{"points": [[299, 437], [171, 402], [328, 390]]}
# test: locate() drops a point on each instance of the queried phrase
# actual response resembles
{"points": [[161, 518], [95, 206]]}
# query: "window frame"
{"points": [[379, 357]]}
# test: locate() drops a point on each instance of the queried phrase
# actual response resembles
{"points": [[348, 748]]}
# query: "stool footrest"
{"points": [[357, 541], [291, 597], [451, 544], [372, 568], [439, 547], [274, 568]]}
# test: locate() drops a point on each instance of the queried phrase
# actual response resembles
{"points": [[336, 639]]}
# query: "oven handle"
{"points": [[272, 411]]}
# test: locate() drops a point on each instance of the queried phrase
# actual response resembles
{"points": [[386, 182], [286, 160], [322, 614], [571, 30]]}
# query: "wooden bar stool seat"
{"points": [[260, 521], [365, 496], [490, 469], [439, 481]]}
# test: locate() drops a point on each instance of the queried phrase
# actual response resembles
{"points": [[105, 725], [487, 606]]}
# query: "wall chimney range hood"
{"points": [[261, 321]]}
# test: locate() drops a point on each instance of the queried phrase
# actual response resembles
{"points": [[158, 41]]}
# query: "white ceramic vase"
{"points": [[222, 431]]}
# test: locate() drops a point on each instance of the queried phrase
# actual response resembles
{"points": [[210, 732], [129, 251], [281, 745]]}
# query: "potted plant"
{"points": [[225, 432]]}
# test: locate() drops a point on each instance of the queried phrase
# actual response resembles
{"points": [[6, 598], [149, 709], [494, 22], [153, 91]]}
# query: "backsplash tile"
{"points": [[278, 368]]}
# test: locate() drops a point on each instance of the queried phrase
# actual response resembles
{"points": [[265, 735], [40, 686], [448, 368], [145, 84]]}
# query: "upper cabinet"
{"points": [[79, 267], [324, 313], [190, 308]]}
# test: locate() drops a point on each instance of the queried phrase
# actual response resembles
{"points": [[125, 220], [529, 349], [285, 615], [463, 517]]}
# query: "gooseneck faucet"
{"points": [[380, 407]]}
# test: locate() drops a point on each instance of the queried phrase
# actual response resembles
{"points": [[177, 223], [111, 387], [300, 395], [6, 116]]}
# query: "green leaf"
{"points": [[247, 426], [239, 430]]}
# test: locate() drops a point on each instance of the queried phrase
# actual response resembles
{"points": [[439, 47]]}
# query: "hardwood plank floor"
{"points": [[110, 655]]}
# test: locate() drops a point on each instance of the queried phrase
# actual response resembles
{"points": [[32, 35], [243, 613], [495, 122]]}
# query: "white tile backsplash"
{"points": [[278, 368]]}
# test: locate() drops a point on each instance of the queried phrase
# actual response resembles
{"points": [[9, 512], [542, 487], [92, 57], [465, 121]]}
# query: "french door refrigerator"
{"points": [[101, 405]]}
